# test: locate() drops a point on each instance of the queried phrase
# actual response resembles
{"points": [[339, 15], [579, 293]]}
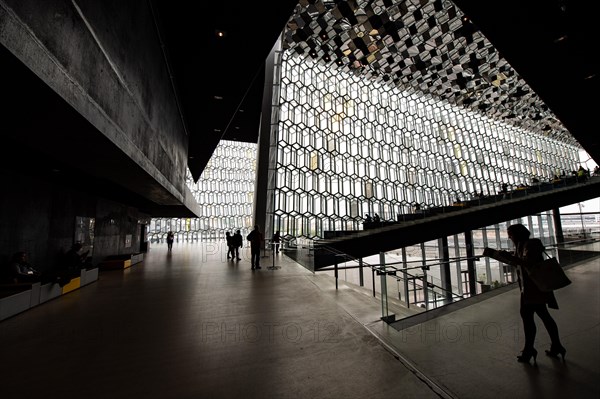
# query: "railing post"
{"points": [[373, 280], [425, 289], [360, 273], [404, 266], [335, 268], [445, 274], [424, 269], [385, 316]]}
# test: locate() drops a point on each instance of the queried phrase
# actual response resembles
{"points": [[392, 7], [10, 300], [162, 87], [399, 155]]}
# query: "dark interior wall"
{"points": [[117, 229], [104, 60], [25, 211], [66, 204], [40, 219], [146, 108], [89, 126]]}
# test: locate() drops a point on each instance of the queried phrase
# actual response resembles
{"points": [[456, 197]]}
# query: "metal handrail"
{"points": [[404, 272]]}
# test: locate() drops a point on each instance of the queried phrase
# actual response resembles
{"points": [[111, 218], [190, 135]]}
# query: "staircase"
{"points": [[464, 218]]}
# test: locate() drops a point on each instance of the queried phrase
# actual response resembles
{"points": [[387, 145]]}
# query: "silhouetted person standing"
{"points": [[238, 242], [229, 240], [528, 252], [276, 241], [170, 239], [256, 238]]}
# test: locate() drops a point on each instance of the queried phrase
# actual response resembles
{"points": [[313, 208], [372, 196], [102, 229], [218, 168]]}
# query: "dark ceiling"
{"points": [[220, 80], [553, 45]]}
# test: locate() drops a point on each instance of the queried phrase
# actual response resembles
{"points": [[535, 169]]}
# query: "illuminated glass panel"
{"points": [[366, 147], [225, 193]]}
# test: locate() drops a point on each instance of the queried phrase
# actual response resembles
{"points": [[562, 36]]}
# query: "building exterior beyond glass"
{"points": [[225, 192], [346, 147]]}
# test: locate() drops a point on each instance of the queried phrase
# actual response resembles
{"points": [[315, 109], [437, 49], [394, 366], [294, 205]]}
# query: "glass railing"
{"points": [[421, 282], [511, 192], [419, 287]]}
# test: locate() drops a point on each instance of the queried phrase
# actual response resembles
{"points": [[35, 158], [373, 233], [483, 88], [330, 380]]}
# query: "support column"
{"points": [[361, 277], [405, 277], [558, 230], [470, 262], [424, 269], [264, 186], [445, 275], [335, 273]]}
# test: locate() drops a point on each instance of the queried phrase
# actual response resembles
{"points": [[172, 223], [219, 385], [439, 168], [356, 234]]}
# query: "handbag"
{"points": [[548, 275]]}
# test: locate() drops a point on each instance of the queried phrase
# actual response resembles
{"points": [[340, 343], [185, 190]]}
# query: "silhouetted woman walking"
{"points": [[533, 301]]}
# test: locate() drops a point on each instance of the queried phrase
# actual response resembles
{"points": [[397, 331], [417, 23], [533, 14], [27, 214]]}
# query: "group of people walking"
{"points": [[256, 239], [234, 243]]}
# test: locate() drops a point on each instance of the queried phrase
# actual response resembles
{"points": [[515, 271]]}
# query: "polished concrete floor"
{"points": [[190, 324]]}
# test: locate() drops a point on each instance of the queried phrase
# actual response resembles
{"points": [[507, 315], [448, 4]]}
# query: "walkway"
{"points": [[192, 325]]}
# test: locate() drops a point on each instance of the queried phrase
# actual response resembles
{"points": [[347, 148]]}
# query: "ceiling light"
{"points": [[561, 39]]}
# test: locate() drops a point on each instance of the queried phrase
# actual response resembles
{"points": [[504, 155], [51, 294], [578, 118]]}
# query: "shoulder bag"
{"points": [[548, 275]]}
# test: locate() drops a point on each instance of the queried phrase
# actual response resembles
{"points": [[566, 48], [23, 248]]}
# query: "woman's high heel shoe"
{"points": [[526, 355], [556, 351]]}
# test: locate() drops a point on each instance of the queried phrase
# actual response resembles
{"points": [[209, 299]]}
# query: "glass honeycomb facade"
{"points": [[225, 192], [346, 147]]}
